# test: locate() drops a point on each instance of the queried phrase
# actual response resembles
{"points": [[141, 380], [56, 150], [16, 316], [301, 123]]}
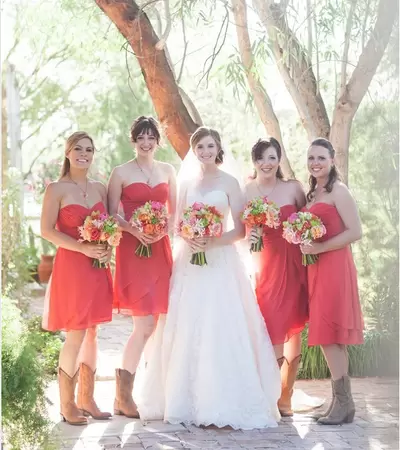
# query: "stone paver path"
{"points": [[375, 426]]}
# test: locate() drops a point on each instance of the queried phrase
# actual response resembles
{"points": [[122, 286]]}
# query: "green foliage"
{"points": [[25, 423], [17, 259], [375, 174], [378, 356]]}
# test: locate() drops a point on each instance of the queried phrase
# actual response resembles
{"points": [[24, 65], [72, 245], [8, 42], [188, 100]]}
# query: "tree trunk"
{"points": [[295, 68], [261, 99], [4, 150], [360, 80], [135, 26]]}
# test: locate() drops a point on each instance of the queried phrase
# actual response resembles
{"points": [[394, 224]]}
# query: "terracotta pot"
{"points": [[45, 268]]}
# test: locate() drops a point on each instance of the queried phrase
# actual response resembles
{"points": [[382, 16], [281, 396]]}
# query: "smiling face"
{"points": [[267, 164], [206, 150], [319, 161], [81, 154], [146, 143]]}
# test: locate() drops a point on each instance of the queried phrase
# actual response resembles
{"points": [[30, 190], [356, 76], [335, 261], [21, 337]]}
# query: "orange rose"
{"points": [[148, 229]]}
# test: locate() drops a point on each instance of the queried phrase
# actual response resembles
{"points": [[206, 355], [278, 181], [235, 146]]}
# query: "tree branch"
{"points": [[185, 47], [360, 80], [163, 39], [261, 99], [29, 172], [135, 26], [295, 68], [345, 57], [216, 50]]}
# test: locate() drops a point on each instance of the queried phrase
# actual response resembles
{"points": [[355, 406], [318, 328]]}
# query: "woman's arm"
{"points": [[300, 196], [236, 202], [172, 200], [114, 193], [48, 220], [347, 209]]}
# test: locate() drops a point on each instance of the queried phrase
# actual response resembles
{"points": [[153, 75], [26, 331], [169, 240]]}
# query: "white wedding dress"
{"points": [[211, 359]]}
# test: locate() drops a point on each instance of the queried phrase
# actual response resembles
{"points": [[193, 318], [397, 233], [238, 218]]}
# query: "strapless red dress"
{"points": [[79, 295], [334, 303], [141, 285], [281, 284]]}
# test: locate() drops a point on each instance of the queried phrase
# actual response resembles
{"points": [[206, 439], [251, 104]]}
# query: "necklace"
{"points": [[269, 193], [84, 191], [144, 174]]}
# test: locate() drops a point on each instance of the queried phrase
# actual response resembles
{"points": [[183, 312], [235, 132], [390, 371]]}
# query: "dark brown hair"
{"points": [[69, 145], [334, 174], [201, 133], [258, 150], [145, 125]]}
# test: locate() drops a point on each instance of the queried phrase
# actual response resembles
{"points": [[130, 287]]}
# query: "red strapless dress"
{"points": [[141, 285], [281, 284], [335, 312], [79, 295]]}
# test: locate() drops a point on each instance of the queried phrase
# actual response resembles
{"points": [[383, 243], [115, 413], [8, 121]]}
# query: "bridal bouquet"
{"points": [[150, 219], [261, 212], [303, 228], [102, 229], [200, 220]]}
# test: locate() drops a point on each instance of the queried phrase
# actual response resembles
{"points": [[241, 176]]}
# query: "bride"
{"points": [[211, 361]]}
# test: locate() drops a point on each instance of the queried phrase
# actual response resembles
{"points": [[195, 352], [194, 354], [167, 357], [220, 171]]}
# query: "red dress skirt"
{"points": [[335, 312], [79, 296], [141, 285], [281, 284]]}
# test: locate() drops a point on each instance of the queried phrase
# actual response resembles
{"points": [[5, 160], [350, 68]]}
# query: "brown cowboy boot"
{"points": [[317, 416], [288, 377], [86, 401], [69, 411], [123, 403], [343, 408]]}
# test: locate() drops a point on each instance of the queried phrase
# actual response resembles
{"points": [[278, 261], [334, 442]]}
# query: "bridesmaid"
{"points": [[79, 296], [141, 285], [281, 280], [335, 314]]}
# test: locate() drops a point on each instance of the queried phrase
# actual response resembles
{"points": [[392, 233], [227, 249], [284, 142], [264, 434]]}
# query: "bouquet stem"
{"points": [[99, 265], [199, 259], [309, 259], [143, 251], [258, 246]]}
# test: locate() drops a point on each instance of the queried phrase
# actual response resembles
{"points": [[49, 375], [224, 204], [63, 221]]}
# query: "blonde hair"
{"points": [[69, 145]]}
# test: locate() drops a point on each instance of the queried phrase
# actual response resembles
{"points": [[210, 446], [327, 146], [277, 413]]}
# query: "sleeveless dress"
{"points": [[79, 296], [212, 361], [141, 285], [335, 312], [281, 284]]}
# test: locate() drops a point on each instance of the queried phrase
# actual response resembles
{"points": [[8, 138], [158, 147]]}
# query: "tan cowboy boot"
{"points": [[317, 416], [288, 377], [123, 403], [343, 408], [86, 401], [69, 411]]}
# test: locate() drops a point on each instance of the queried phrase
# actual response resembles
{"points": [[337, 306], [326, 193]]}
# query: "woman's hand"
{"points": [[255, 234], [315, 248], [144, 239], [95, 251]]}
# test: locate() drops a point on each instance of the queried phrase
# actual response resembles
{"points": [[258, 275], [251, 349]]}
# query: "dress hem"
{"points": [[100, 321]]}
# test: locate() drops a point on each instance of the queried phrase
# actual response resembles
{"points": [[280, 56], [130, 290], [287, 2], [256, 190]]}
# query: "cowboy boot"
{"points": [[288, 377], [123, 403], [317, 416], [86, 401], [69, 411], [343, 408]]}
